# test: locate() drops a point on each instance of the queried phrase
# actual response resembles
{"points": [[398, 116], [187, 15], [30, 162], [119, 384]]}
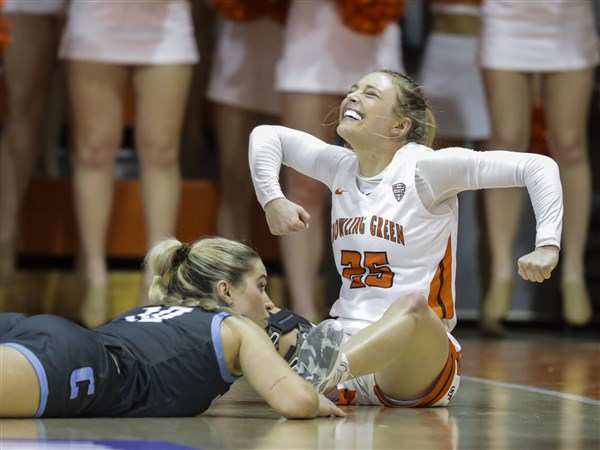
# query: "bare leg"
{"points": [[193, 143], [96, 92], [161, 98], [302, 253], [406, 349], [509, 102], [236, 194], [55, 119], [19, 385], [567, 105], [28, 65]]}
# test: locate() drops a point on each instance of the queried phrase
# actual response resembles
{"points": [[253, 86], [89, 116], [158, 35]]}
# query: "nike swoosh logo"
{"points": [[339, 191]]}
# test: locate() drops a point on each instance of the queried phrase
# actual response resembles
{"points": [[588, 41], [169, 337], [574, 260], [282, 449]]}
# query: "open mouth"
{"points": [[353, 115]]}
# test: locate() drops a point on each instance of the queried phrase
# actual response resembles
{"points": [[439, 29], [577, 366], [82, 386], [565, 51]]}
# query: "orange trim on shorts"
{"points": [[439, 390], [347, 397], [440, 289]]}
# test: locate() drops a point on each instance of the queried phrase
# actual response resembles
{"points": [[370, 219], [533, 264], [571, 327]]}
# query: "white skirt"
{"points": [[451, 80], [538, 36], [130, 32], [42, 7], [322, 55], [243, 66]]}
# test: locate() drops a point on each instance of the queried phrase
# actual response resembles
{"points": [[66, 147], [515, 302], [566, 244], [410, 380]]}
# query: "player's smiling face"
{"points": [[367, 111]]}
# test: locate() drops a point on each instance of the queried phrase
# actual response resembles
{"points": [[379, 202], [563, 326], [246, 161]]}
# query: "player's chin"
{"points": [[341, 131], [346, 129]]}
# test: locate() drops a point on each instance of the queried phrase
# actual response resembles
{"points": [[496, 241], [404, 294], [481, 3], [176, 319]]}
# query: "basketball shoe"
{"points": [[320, 356]]}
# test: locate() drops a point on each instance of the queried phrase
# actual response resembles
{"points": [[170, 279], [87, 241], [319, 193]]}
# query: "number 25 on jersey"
{"points": [[367, 269]]}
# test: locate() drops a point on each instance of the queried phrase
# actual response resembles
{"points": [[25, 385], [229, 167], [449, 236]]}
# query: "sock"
{"points": [[344, 369]]}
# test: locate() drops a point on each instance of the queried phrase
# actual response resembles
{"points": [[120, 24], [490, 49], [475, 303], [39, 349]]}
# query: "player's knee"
{"points": [[94, 155], [570, 154], [159, 156], [411, 304]]}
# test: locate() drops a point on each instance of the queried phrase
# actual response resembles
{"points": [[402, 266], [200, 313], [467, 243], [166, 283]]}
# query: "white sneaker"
{"points": [[320, 355]]}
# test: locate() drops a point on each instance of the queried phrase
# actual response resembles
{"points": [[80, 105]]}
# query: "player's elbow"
{"points": [[304, 404], [259, 130]]}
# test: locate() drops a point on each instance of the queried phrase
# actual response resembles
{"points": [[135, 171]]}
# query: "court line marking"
{"points": [[522, 387]]}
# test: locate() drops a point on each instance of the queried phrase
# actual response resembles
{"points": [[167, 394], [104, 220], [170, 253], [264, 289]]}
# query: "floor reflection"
{"points": [[539, 393]]}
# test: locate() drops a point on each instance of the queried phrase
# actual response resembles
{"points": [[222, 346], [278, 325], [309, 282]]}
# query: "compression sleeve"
{"points": [[271, 146], [442, 174]]}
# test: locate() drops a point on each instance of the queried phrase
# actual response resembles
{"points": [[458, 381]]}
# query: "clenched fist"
{"points": [[285, 217], [539, 264]]}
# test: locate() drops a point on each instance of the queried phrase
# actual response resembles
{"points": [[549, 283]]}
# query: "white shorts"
{"points": [[532, 36], [130, 32], [42, 7], [243, 66], [364, 390], [321, 55], [452, 82]]}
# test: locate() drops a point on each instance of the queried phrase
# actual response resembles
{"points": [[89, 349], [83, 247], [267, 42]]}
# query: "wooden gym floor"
{"points": [[537, 389]]}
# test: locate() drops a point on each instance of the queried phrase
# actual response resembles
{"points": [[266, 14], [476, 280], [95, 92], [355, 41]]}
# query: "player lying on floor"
{"points": [[173, 359]]}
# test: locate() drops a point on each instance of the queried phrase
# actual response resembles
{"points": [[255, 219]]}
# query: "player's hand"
{"points": [[328, 408], [285, 217], [539, 264]]}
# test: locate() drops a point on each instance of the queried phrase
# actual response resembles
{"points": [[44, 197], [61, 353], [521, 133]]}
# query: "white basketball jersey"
{"points": [[387, 244]]}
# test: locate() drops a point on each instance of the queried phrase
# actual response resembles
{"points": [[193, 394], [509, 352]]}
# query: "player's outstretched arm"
{"points": [[269, 374]]}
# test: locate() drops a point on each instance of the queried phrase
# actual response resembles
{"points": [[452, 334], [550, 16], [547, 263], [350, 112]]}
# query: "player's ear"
{"points": [[224, 292], [402, 127]]}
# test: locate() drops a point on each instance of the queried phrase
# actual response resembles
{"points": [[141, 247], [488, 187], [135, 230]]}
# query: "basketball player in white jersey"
{"points": [[393, 230]]}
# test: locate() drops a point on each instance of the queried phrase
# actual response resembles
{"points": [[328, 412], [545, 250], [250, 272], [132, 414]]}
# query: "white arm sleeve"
{"points": [[271, 146], [442, 174]]}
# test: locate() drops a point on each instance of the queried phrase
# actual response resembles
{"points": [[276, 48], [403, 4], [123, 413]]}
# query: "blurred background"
{"points": [[45, 246]]}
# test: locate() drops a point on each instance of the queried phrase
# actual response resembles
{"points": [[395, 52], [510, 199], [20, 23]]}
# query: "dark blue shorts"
{"points": [[77, 374]]}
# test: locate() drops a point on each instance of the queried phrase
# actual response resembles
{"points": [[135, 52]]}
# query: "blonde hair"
{"points": [[411, 103], [187, 274]]}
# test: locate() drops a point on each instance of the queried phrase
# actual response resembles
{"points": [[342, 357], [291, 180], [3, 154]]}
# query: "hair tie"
{"points": [[181, 254]]}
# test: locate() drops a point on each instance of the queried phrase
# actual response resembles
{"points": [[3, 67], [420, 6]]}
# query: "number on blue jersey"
{"points": [[158, 314]]}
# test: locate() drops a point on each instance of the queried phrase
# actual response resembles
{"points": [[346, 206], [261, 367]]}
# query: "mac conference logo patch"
{"points": [[399, 189]]}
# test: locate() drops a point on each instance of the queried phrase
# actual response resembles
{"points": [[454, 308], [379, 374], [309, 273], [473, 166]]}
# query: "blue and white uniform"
{"points": [[150, 361]]}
